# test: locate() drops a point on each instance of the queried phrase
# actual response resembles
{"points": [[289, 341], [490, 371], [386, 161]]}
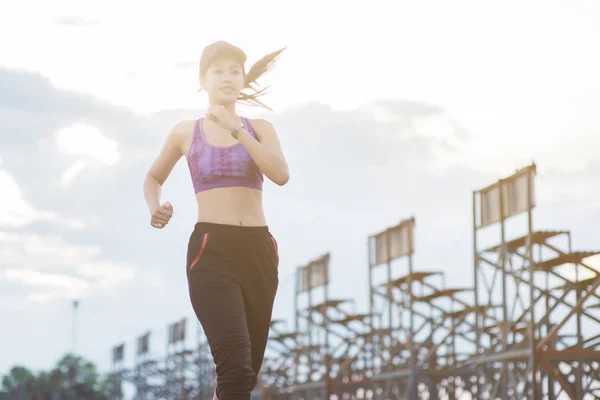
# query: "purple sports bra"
{"points": [[221, 166]]}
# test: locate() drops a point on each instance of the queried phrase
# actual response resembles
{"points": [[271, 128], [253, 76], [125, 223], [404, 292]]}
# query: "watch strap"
{"points": [[235, 132]]}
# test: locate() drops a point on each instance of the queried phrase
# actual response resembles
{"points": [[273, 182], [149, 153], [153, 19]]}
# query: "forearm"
{"points": [[152, 192], [270, 164]]}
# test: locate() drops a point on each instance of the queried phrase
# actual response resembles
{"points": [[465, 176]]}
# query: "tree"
{"points": [[72, 378], [17, 380]]}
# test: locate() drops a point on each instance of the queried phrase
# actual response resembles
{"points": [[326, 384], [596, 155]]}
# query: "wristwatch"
{"points": [[235, 132]]}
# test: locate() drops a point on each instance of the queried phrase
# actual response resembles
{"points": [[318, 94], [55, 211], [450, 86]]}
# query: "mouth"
{"points": [[227, 89]]}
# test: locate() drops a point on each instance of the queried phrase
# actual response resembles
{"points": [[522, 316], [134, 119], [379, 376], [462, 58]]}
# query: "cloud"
{"points": [[186, 65], [87, 141], [51, 267], [347, 168], [75, 161], [386, 160], [74, 21], [16, 211], [88, 146], [46, 249], [72, 171]]}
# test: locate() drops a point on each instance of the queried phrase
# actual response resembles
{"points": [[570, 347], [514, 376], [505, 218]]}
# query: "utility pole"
{"points": [[73, 365], [75, 305]]}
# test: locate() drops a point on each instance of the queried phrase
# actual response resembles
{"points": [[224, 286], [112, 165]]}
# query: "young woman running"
{"points": [[232, 258]]}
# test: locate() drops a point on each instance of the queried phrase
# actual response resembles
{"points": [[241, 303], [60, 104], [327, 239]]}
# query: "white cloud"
{"points": [[17, 212], [88, 141], [573, 187], [50, 267], [498, 92], [71, 173], [14, 209], [43, 251], [45, 279], [504, 93]]}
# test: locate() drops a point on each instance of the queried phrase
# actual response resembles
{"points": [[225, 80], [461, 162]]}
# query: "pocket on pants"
{"points": [[200, 252]]}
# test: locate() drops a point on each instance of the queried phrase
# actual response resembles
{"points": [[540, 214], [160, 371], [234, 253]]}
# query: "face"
{"points": [[223, 80]]}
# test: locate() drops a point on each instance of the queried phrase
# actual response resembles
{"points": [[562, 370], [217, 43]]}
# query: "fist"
{"points": [[161, 215]]}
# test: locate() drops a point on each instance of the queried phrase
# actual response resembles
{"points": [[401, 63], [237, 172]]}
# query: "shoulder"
{"points": [[262, 127], [179, 136], [260, 123], [181, 131], [182, 128]]}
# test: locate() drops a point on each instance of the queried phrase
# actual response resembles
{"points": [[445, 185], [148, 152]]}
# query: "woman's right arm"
{"points": [[163, 165]]}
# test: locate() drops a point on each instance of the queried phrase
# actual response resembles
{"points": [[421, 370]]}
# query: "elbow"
{"points": [[151, 179], [283, 181], [283, 178], [148, 179]]}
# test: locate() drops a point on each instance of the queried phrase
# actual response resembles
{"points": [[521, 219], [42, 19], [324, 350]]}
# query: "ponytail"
{"points": [[258, 69]]}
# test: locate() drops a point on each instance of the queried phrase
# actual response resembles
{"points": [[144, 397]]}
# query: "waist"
{"points": [[230, 230], [231, 206]]}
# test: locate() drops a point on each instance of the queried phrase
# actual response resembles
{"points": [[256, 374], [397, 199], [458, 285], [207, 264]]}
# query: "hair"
{"points": [[259, 69]]}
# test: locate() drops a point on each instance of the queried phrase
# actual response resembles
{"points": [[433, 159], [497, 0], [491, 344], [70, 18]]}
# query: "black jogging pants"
{"points": [[232, 274]]}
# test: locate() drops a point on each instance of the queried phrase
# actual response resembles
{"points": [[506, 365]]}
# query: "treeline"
{"points": [[71, 378]]}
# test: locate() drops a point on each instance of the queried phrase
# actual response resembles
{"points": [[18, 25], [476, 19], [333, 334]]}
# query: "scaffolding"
{"points": [[543, 339], [526, 327], [182, 373]]}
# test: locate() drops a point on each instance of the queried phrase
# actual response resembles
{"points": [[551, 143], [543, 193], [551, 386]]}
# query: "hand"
{"points": [[222, 117], [161, 215]]}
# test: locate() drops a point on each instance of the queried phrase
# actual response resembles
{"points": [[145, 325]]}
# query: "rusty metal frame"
{"points": [[526, 345], [524, 329]]}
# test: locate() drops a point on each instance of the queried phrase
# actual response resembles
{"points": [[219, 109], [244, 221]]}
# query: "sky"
{"points": [[384, 109]]}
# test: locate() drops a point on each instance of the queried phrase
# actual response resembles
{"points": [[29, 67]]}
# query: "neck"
{"points": [[228, 106]]}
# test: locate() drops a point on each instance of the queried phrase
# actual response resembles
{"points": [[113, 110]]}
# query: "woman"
{"points": [[232, 258]]}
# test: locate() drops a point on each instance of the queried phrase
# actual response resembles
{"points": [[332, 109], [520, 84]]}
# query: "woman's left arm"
{"points": [[266, 152]]}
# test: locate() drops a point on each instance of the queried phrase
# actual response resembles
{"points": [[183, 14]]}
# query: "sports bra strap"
{"points": [[249, 127]]}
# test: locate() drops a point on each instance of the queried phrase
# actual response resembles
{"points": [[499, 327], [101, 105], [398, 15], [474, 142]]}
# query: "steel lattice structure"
{"points": [[526, 327]]}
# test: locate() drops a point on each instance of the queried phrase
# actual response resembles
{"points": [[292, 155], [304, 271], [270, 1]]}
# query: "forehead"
{"points": [[225, 62]]}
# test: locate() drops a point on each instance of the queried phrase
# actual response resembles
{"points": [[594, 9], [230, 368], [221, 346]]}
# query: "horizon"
{"points": [[435, 100]]}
